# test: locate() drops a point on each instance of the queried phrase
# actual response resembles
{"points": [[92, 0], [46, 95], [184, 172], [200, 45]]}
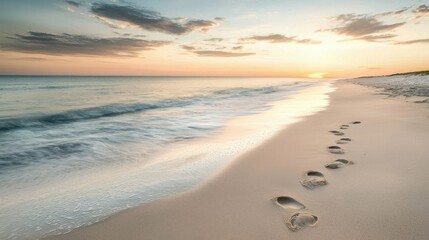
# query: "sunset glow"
{"points": [[214, 38]]}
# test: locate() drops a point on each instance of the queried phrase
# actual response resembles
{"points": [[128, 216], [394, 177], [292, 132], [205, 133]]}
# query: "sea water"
{"points": [[74, 150]]}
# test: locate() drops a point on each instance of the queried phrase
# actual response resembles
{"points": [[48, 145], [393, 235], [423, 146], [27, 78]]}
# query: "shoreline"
{"points": [[59, 205], [237, 203]]}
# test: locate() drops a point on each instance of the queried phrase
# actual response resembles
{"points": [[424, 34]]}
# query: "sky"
{"points": [[293, 38]]}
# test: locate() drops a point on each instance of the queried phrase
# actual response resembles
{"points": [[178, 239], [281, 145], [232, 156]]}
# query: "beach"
{"points": [[214, 120], [380, 192]]}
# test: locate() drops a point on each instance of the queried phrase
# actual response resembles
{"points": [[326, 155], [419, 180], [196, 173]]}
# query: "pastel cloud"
{"points": [[277, 38], [374, 28], [372, 38], [215, 53], [415, 41], [214, 39], [208, 53], [73, 3], [150, 20], [361, 25], [70, 44], [422, 9]]}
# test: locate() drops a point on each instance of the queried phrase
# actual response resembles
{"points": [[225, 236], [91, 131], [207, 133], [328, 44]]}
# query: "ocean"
{"points": [[74, 150]]}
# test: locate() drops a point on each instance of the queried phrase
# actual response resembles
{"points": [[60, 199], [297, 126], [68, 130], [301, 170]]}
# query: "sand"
{"points": [[378, 191]]}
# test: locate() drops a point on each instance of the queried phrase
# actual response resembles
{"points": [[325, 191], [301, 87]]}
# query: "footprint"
{"points": [[355, 122], [288, 202], [344, 161], [338, 163], [344, 140], [300, 220], [335, 150], [312, 179], [297, 218], [344, 126], [337, 133], [334, 165]]}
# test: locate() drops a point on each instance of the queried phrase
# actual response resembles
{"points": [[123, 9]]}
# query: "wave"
{"points": [[125, 108], [27, 88], [23, 158]]}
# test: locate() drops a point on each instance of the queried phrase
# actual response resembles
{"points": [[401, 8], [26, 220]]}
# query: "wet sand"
{"points": [[379, 192]]}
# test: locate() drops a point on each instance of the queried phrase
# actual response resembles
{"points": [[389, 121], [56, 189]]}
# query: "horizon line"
{"points": [[210, 76], [72, 75]]}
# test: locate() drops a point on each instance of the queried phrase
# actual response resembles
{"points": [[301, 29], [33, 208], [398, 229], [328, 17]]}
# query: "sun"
{"points": [[317, 75]]}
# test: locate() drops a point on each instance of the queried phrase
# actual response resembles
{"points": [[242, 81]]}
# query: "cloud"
{"points": [[189, 48], [214, 39], [360, 25], [28, 58], [371, 28], [69, 44], [372, 38], [367, 27], [214, 53], [391, 13], [130, 35], [149, 20], [277, 38], [416, 41], [237, 48], [422, 11], [73, 3], [221, 54]]}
